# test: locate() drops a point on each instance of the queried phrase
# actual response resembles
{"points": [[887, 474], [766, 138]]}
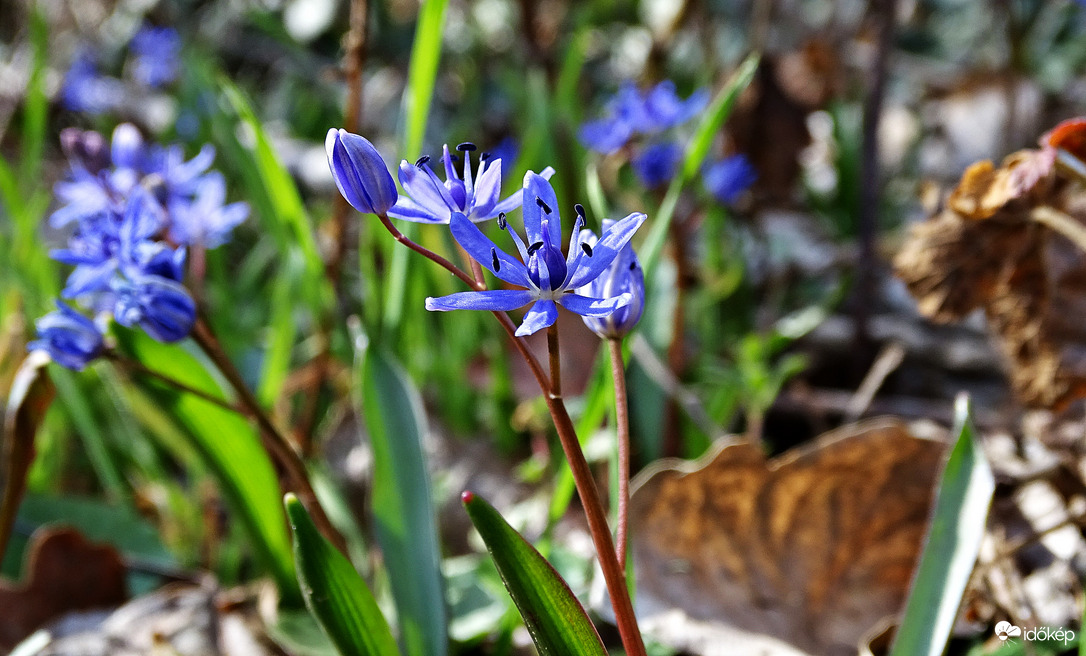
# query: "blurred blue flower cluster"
{"points": [[632, 113], [153, 62], [545, 276], [133, 209]]}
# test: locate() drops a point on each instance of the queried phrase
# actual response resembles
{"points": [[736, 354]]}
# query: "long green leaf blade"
{"points": [[555, 619], [422, 73], [694, 157], [335, 594], [957, 527], [402, 504], [229, 447]]}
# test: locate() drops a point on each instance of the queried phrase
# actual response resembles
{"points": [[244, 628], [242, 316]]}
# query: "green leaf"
{"points": [[229, 447], [335, 594], [714, 117], [422, 73], [555, 619], [950, 551], [694, 156], [402, 503], [31, 395]]}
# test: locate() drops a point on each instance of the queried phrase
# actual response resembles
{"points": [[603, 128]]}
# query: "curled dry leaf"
{"points": [[988, 249], [812, 548]]}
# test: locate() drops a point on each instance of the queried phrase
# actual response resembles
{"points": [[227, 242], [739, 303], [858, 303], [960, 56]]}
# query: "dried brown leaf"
{"points": [[987, 250], [812, 548], [65, 572]]}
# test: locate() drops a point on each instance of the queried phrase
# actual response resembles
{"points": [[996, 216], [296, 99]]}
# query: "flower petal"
{"points": [[594, 307], [541, 315], [585, 269], [425, 189], [484, 251], [409, 210], [494, 299], [538, 190], [487, 189]]}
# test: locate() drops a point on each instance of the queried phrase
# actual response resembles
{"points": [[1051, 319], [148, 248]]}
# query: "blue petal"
{"points": [[409, 210], [541, 315], [605, 135], [127, 147], [537, 187], [494, 299], [593, 307], [516, 199], [487, 189], [425, 189], [483, 251], [585, 269]]}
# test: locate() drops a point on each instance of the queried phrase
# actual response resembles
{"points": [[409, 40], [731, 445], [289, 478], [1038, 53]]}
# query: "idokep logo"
{"points": [[1005, 631]]}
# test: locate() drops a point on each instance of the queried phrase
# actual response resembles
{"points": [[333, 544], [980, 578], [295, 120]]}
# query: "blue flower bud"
{"points": [[162, 307], [729, 178], [656, 165], [70, 338], [359, 172], [623, 276]]}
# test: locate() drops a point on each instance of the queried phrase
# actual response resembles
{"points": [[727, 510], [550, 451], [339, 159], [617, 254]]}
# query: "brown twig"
{"points": [[274, 442], [885, 12], [136, 367]]}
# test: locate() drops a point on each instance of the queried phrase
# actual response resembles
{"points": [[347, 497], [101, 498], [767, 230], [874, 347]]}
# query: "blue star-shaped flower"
{"points": [[548, 278], [632, 112], [429, 200]]}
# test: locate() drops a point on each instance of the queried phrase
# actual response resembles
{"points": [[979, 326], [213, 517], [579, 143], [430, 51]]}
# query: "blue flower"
{"points": [[155, 51], [206, 221], [624, 276], [547, 277], [359, 172], [162, 307], [70, 338], [655, 165], [429, 200], [630, 113], [729, 178], [86, 90]]}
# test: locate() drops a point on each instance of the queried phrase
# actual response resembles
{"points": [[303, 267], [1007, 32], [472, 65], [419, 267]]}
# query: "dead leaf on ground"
{"points": [[812, 548], [64, 573], [986, 250]]}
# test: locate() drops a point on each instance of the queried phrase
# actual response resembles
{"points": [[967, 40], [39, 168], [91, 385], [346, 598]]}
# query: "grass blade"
{"points": [[335, 594], [425, 55], [950, 551], [694, 157], [230, 449], [402, 504], [555, 619]]}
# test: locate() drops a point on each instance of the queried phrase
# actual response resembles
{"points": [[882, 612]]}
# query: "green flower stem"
{"points": [[280, 449], [622, 428]]}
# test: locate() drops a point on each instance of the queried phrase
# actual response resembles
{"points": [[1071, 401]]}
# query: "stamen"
{"points": [[484, 157], [587, 249], [497, 263], [539, 202], [502, 223], [422, 160], [535, 247], [466, 146], [579, 209], [633, 266]]}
